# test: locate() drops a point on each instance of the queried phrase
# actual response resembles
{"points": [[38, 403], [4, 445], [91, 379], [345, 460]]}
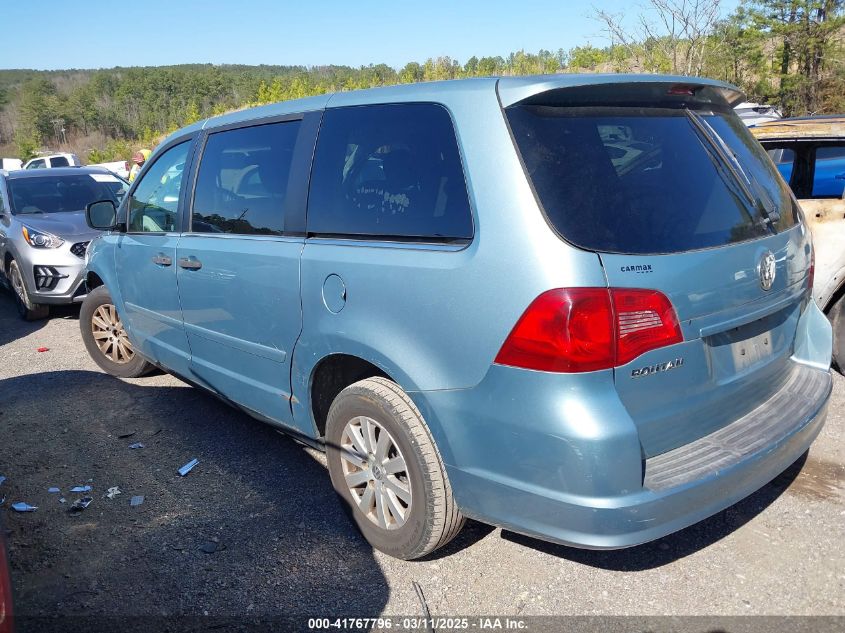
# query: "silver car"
{"points": [[43, 233]]}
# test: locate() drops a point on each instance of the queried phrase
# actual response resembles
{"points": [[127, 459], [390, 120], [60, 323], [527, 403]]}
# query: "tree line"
{"points": [[785, 52]]}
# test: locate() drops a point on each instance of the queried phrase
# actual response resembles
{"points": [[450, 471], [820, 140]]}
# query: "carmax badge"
{"points": [[648, 370]]}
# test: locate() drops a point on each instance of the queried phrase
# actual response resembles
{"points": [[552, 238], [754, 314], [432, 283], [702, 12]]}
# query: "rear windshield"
{"points": [[55, 194], [644, 180]]}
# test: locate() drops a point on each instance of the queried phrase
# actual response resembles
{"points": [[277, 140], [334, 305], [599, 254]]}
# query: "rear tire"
{"points": [[28, 310], [392, 483], [836, 316], [105, 339]]}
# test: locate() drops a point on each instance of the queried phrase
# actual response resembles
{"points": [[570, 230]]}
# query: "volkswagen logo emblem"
{"points": [[767, 269]]}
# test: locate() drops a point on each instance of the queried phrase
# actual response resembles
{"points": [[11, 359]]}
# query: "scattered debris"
{"points": [[113, 492], [136, 445], [81, 489], [188, 467], [2, 500], [54, 490], [156, 432], [80, 504], [2, 479], [209, 547], [43, 349], [126, 434], [62, 500], [20, 506], [136, 500]]}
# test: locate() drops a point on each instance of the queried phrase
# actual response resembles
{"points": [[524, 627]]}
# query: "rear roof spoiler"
{"points": [[613, 88]]}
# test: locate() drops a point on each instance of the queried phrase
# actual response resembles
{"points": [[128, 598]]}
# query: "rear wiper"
{"points": [[731, 163]]}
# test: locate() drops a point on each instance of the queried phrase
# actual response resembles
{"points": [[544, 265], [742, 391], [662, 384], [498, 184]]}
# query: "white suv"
{"points": [[53, 160]]}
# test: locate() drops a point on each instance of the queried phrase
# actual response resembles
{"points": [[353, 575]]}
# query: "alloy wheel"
{"points": [[110, 336], [375, 473]]}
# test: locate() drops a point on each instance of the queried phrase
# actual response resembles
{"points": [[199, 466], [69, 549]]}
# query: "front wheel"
{"points": [[105, 338], [28, 310], [387, 471]]}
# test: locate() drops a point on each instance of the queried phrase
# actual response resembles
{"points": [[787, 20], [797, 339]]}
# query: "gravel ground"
{"points": [[255, 529]]}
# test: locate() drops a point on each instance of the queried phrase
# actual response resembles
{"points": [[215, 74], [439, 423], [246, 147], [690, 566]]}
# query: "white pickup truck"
{"points": [[53, 160]]}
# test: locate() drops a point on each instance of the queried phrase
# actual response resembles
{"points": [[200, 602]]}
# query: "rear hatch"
{"points": [[665, 183]]}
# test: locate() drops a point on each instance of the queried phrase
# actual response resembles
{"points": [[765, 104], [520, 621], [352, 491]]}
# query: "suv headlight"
{"points": [[40, 239]]}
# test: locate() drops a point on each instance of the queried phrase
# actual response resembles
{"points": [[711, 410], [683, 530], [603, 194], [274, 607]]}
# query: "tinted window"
{"points": [[784, 160], [765, 179], [829, 174], [154, 204], [389, 171], [54, 194], [59, 161], [639, 180], [243, 180]]}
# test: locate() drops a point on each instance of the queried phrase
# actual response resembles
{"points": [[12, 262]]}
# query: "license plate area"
{"points": [[739, 350]]}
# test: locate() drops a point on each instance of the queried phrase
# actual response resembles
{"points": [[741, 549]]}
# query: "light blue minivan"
{"points": [[578, 307]]}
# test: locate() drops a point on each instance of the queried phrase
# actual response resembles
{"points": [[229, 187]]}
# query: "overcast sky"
{"points": [[51, 34]]}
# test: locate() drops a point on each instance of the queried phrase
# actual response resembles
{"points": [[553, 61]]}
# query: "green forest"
{"points": [[788, 53]]}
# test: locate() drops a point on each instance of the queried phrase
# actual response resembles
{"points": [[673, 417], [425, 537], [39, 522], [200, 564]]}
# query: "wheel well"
{"points": [[331, 376], [93, 281], [835, 296], [8, 260]]}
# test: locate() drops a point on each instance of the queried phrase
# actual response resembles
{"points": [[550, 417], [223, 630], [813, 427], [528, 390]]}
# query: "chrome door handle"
{"points": [[162, 260], [190, 263]]}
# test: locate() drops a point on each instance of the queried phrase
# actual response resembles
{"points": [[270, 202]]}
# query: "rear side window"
{"points": [[243, 180], [59, 161], [391, 172], [37, 164], [639, 180]]}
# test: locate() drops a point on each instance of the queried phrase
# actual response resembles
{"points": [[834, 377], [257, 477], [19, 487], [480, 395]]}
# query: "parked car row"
{"points": [[576, 306], [51, 161]]}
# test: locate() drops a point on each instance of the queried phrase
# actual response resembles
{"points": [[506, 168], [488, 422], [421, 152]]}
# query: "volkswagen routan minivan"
{"points": [[578, 307]]}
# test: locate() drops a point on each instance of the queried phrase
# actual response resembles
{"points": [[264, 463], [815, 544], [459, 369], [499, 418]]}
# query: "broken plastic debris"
{"points": [[136, 500], [2, 479], [80, 504], [136, 445], [43, 349], [54, 490], [208, 547], [126, 434], [80, 489], [20, 506], [113, 492], [188, 467], [62, 500]]}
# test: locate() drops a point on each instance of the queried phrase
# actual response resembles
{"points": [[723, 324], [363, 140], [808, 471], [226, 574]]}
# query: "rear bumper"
{"points": [[557, 456], [652, 512]]}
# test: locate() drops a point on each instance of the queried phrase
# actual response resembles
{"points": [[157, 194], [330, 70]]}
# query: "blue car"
{"points": [[575, 306]]}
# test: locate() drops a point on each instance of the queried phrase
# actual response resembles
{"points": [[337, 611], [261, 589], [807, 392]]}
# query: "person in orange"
{"points": [[138, 159]]}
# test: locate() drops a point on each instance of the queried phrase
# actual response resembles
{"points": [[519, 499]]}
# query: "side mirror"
{"points": [[101, 215]]}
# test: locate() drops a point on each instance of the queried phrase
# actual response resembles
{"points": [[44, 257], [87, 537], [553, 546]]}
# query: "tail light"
{"points": [[586, 329]]}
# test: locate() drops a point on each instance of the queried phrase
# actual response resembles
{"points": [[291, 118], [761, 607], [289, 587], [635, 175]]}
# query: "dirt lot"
{"points": [[255, 529]]}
